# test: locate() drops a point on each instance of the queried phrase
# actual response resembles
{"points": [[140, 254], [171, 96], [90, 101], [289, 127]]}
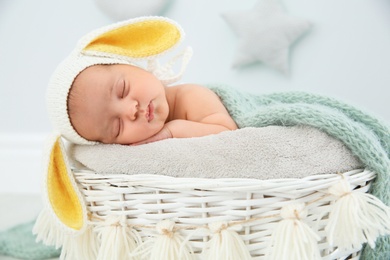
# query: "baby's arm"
{"points": [[212, 125], [197, 112]]}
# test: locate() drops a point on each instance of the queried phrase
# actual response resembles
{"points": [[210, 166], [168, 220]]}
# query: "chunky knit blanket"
{"points": [[367, 137], [19, 242]]}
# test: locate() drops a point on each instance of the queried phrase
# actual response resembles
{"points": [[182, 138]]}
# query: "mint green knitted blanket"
{"points": [[366, 136], [19, 242]]}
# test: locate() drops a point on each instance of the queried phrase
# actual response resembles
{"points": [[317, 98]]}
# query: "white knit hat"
{"points": [[133, 41]]}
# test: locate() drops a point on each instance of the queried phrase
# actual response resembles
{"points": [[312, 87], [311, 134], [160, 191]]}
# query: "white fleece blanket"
{"points": [[271, 152]]}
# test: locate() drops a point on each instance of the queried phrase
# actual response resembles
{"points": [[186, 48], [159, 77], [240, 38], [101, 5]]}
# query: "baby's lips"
{"points": [[150, 112]]}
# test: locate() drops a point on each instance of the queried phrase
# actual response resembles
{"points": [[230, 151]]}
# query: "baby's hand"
{"points": [[163, 134]]}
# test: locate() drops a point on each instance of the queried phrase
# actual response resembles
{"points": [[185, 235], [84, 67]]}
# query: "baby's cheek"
{"points": [[140, 132]]}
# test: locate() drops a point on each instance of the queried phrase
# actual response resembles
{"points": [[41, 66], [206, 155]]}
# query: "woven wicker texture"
{"points": [[251, 207]]}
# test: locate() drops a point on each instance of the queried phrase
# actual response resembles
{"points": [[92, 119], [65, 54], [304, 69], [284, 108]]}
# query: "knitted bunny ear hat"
{"points": [[135, 41]]}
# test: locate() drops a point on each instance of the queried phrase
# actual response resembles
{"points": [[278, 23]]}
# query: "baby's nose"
{"points": [[131, 110]]}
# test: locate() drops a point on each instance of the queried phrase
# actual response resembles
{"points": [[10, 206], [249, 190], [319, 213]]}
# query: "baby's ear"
{"points": [[139, 38]]}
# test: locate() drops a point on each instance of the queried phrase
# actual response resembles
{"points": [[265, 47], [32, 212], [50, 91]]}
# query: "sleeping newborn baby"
{"points": [[101, 93]]}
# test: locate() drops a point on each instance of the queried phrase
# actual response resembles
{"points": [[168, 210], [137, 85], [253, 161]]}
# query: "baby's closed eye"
{"points": [[121, 89]]}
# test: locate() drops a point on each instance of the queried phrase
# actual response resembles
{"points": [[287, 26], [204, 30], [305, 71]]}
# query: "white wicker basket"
{"points": [[192, 204]]}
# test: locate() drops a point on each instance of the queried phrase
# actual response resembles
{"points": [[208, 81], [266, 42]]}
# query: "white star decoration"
{"points": [[265, 34]]}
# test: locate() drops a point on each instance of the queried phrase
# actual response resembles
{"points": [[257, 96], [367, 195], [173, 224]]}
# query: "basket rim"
{"points": [[221, 184]]}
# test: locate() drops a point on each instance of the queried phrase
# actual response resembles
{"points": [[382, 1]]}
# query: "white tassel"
{"points": [[47, 229], [117, 239], [169, 244], [84, 246], [292, 238], [356, 218], [226, 244]]}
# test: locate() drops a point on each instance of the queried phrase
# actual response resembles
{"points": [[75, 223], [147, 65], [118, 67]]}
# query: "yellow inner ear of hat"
{"points": [[137, 40], [62, 195]]}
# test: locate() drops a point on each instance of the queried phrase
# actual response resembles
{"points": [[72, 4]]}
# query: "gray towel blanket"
{"points": [[271, 152]]}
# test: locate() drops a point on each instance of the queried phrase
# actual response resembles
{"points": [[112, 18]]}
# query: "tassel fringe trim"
{"points": [[293, 238], [355, 218]]}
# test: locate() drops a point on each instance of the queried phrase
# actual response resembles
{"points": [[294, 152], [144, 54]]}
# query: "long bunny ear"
{"points": [[62, 190], [144, 37], [64, 208]]}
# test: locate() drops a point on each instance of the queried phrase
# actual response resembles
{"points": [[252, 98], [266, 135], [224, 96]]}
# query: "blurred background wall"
{"points": [[346, 54]]}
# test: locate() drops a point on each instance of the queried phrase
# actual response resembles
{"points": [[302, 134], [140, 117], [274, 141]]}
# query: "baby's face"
{"points": [[117, 104]]}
